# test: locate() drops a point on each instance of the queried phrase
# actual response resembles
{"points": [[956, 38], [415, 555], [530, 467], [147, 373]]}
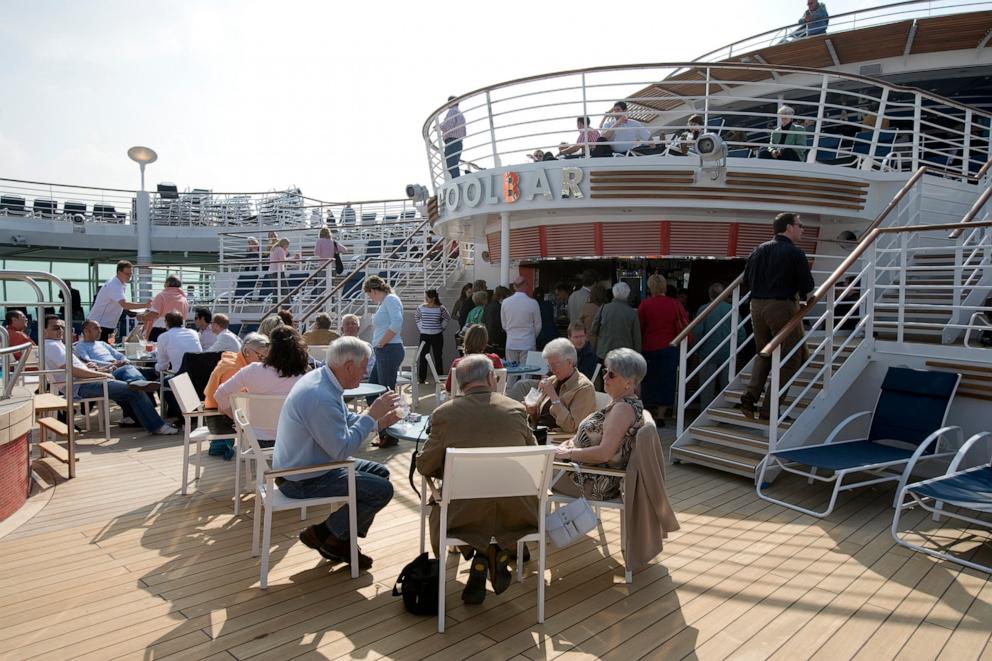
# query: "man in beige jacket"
{"points": [[480, 417]]}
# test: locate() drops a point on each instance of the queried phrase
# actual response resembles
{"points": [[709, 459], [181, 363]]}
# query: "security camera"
{"points": [[417, 193]]}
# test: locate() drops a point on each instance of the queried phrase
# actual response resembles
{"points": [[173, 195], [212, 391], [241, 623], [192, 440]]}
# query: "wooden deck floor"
{"points": [[116, 564]]}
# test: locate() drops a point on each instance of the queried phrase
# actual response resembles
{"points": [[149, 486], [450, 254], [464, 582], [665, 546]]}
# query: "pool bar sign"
{"points": [[509, 187]]}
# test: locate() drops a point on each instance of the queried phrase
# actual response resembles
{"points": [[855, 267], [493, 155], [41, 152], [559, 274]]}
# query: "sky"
{"points": [[244, 96]]}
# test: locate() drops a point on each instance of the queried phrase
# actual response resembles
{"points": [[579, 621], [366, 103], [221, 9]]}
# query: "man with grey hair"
{"points": [[350, 327], [226, 340], [456, 424], [616, 325], [521, 317], [315, 427], [566, 397]]}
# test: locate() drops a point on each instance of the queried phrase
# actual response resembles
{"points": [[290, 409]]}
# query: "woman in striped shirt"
{"points": [[432, 318]]}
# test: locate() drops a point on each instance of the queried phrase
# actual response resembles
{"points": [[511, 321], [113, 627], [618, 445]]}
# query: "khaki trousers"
{"points": [[769, 316]]}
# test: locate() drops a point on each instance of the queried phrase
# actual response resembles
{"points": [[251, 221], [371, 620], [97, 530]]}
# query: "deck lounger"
{"points": [[969, 489], [907, 426]]}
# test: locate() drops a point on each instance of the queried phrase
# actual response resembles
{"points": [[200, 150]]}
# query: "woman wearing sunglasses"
{"points": [[606, 437]]}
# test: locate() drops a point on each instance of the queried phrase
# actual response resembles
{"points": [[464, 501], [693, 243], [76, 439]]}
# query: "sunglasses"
{"points": [[610, 374]]}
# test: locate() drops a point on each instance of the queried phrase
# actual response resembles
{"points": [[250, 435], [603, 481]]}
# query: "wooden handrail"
{"points": [[698, 319], [856, 253], [837, 274], [984, 170], [316, 272], [896, 199], [972, 212], [316, 305]]}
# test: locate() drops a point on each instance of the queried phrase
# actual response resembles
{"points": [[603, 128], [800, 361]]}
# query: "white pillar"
{"points": [[142, 217], [504, 248]]}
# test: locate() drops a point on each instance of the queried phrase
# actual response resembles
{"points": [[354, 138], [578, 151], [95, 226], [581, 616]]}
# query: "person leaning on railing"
{"points": [[813, 22], [788, 140], [778, 276]]}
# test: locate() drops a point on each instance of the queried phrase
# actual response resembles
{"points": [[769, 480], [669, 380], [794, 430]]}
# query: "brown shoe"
{"points": [[339, 550], [499, 574], [143, 386], [747, 406]]}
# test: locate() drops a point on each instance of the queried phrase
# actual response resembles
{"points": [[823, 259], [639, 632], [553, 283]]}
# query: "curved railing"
{"points": [[852, 20], [849, 119]]}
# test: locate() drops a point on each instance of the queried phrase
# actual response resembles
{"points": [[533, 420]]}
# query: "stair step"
{"points": [[800, 382], [55, 450], [734, 397], [48, 402], [724, 459], [981, 370], [736, 417], [742, 438], [55, 425]]}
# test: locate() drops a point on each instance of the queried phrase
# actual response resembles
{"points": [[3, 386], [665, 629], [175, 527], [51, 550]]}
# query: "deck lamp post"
{"points": [[142, 216]]}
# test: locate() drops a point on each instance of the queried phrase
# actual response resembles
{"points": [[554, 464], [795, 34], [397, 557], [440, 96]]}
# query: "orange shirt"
{"points": [[228, 365]]}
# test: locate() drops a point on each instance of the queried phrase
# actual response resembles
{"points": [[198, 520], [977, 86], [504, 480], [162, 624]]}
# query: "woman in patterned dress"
{"points": [[605, 438]]}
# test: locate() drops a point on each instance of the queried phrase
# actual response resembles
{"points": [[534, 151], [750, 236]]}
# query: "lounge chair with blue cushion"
{"points": [[969, 488], [907, 426]]}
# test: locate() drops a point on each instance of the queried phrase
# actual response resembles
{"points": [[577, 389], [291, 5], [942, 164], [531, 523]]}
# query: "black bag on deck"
{"points": [[418, 585]]}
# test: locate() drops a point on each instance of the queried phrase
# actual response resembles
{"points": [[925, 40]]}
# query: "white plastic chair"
{"points": [[602, 400], [318, 352], [536, 359], [595, 372], [262, 411], [192, 407], [269, 499], [102, 403], [501, 379], [408, 372], [490, 473], [439, 380]]}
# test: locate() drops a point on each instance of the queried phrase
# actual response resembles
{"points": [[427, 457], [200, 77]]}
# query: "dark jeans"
{"points": [[785, 154], [435, 345], [372, 492], [452, 154], [658, 386], [387, 365], [134, 403]]}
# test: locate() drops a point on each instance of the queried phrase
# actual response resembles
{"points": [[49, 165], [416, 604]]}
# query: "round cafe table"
{"points": [[523, 370], [409, 431], [364, 390]]}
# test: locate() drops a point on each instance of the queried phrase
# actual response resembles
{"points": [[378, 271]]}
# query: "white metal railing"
{"points": [[854, 20], [193, 208], [848, 119]]}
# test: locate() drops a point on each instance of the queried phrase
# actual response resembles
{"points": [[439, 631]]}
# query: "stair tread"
{"points": [[55, 450], [743, 432], [47, 402], [55, 425], [964, 367], [737, 416], [721, 454]]}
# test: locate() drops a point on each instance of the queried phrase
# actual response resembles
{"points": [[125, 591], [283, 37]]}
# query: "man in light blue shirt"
{"points": [[315, 427], [93, 351]]}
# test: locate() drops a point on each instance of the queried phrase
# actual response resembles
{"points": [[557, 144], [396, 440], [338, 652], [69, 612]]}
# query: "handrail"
{"points": [[11, 379], [972, 212], [833, 20], [330, 294], [896, 199], [835, 277], [727, 292], [361, 266], [984, 170]]}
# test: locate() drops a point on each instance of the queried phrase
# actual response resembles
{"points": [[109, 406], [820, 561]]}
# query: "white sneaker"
{"points": [[166, 430]]}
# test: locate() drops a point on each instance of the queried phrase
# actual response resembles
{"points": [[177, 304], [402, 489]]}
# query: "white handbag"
{"points": [[566, 524]]}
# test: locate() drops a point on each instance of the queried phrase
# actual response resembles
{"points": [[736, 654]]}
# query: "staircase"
{"points": [[906, 284]]}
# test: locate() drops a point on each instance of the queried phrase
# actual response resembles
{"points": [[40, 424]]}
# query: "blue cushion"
{"points": [[969, 489], [912, 405], [840, 456]]}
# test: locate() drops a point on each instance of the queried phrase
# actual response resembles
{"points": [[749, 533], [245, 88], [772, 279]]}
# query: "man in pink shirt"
{"points": [[587, 137], [170, 299]]}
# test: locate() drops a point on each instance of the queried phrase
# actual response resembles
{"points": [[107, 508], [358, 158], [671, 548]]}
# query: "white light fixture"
{"points": [[142, 156], [712, 152]]}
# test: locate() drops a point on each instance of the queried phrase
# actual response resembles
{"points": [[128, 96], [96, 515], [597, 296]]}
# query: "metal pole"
{"points": [[504, 248], [143, 217]]}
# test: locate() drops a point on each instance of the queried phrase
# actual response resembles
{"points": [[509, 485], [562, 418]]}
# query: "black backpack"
{"points": [[418, 585]]}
